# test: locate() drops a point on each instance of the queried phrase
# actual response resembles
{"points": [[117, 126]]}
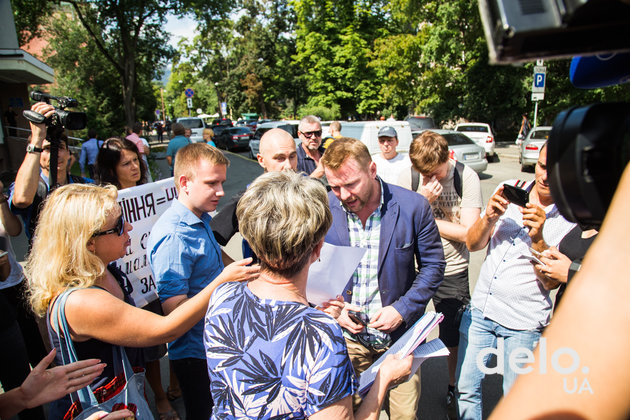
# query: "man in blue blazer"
{"points": [[397, 228]]}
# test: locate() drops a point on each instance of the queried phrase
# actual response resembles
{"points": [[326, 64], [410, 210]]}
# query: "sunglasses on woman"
{"points": [[119, 228]]}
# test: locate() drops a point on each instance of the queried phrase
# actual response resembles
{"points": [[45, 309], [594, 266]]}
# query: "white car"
{"points": [[196, 126], [480, 133]]}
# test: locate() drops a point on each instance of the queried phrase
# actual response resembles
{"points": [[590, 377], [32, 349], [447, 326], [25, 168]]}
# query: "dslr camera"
{"points": [[61, 117]]}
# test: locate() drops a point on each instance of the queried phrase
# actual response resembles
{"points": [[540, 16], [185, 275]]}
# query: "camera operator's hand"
{"points": [[534, 218], [496, 206], [38, 131]]}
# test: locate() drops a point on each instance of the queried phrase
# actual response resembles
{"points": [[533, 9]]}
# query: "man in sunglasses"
{"points": [[310, 151], [389, 163]]}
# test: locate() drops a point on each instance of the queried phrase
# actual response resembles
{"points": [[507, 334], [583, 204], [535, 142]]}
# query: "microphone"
{"points": [[600, 70]]}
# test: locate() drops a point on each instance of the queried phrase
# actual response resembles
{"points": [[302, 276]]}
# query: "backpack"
{"points": [[457, 178]]}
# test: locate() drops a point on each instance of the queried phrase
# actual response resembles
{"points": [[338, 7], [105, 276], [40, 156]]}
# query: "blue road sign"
{"points": [[539, 80], [189, 93]]}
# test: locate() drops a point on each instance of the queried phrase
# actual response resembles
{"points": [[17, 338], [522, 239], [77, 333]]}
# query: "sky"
{"points": [[180, 27]]}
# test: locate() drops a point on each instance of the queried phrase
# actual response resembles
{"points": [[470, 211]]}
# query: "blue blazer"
{"points": [[408, 231]]}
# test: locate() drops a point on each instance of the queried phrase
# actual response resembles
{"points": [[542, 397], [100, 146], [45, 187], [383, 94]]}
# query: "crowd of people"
{"points": [[263, 350]]}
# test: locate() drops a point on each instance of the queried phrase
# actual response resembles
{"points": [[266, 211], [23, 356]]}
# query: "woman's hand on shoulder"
{"points": [[240, 271]]}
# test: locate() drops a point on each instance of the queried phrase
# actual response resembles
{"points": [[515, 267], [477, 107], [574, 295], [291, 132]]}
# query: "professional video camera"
{"points": [[589, 146], [56, 124], [67, 119]]}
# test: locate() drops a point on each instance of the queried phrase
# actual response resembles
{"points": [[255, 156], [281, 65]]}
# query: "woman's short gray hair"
{"points": [[283, 216]]}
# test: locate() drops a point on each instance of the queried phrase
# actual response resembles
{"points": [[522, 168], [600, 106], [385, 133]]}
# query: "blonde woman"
{"points": [[208, 136], [80, 231]]}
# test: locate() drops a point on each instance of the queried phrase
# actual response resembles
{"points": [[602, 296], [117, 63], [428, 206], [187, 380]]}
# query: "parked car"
{"points": [[196, 125], [233, 138], [290, 127], [367, 132], [530, 147], [466, 151], [480, 133], [419, 123], [222, 121]]}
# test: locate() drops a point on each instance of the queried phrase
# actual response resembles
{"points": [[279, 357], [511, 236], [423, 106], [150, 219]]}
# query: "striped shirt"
{"points": [[365, 289], [507, 291]]}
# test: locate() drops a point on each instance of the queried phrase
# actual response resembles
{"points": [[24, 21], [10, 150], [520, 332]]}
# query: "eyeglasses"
{"points": [[386, 139], [119, 228], [310, 134]]}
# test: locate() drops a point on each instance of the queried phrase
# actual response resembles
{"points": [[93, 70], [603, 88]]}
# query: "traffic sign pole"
{"points": [[538, 87]]}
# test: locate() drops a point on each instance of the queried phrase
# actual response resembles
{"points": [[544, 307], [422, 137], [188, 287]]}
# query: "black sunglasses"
{"points": [[119, 228], [310, 134]]}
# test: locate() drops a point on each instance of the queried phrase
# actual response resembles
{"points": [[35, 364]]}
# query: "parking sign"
{"points": [[540, 76]]}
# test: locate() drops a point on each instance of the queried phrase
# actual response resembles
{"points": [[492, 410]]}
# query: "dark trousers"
{"points": [[192, 375], [14, 367], [16, 297]]}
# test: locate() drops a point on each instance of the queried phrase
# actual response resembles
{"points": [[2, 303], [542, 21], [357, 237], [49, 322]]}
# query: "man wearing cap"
{"points": [[310, 150], [389, 163]]}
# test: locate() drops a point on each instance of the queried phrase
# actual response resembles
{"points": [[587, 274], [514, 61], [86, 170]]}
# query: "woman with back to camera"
{"points": [[270, 355], [81, 230], [120, 163]]}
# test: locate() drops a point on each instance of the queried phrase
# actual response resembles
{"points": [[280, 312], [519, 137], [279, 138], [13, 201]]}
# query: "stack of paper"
{"points": [[407, 344]]}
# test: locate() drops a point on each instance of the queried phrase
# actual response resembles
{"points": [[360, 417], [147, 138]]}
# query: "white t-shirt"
{"points": [[389, 170]]}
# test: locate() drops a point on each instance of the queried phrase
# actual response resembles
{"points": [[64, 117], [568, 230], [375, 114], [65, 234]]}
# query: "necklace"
{"points": [[284, 287]]}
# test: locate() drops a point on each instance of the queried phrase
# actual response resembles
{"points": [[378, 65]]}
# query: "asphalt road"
{"points": [[243, 170]]}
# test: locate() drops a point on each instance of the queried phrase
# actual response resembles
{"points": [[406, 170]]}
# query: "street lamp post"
{"points": [[216, 88]]}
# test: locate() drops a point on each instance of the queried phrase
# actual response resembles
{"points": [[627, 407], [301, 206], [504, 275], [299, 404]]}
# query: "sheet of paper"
{"points": [[405, 345], [434, 348], [328, 277]]}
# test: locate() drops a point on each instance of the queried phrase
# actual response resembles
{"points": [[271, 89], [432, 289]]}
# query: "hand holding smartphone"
{"points": [[516, 195], [356, 317]]}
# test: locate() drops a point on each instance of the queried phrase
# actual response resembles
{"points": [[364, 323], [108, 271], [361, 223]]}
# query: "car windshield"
{"points": [[540, 134], [192, 123], [239, 130], [418, 123], [455, 139], [475, 128]]}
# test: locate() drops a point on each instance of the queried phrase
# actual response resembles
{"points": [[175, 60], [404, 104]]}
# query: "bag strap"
{"points": [[457, 178], [68, 352], [415, 179]]}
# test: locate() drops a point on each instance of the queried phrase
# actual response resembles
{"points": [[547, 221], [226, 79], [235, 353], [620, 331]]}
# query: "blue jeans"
{"points": [[476, 334]]}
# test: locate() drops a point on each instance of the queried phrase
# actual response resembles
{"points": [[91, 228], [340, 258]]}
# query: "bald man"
{"points": [[277, 152]]}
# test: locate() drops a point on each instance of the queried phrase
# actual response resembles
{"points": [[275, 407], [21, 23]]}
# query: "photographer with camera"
{"points": [[32, 184], [508, 308]]}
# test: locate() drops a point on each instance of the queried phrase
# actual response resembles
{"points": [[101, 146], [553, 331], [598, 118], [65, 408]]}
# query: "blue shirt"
{"points": [[304, 162], [185, 258], [89, 151], [174, 145], [273, 359]]}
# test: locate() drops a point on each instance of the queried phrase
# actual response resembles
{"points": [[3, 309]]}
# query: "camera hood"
{"points": [[588, 150]]}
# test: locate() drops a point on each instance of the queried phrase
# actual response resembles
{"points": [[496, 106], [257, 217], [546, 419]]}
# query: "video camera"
{"points": [[67, 119], [56, 124], [589, 146]]}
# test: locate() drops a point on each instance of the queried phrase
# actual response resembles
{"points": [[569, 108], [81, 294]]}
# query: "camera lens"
{"points": [[588, 150]]}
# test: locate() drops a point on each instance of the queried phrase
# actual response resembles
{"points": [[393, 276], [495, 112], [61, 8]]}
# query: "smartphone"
{"points": [[356, 318], [535, 257], [515, 195]]}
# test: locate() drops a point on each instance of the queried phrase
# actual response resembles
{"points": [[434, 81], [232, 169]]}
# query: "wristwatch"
{"points": [[33, 149]]}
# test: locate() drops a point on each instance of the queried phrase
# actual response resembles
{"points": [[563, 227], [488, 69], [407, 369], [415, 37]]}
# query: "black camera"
{"points": [[61, 117], [587, 152]]}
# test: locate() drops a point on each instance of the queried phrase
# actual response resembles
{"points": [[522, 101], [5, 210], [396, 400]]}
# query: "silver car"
{"points": [[529, 149], [289, 126], [466, 151]]}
